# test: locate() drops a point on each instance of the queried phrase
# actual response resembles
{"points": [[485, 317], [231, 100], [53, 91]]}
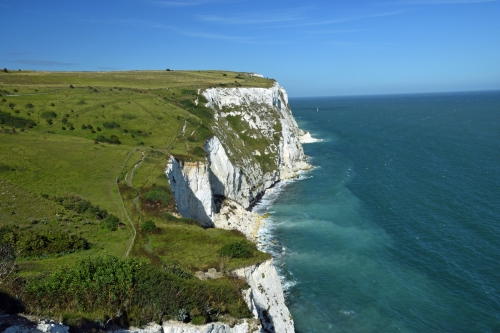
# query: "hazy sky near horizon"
{"points": [[313, 48]]}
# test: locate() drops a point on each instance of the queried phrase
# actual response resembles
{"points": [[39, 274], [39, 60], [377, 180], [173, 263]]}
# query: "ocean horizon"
{"points": [[396, 228]]}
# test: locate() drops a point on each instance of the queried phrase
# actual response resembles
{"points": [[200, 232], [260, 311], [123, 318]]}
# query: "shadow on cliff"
{"points": [[266, 320], [218, 189]]}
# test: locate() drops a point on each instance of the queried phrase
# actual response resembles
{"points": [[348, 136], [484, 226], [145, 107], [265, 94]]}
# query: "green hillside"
{"points": [[82, 159]]}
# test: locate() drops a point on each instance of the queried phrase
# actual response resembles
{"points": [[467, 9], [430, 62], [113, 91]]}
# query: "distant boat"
{"points": [[317, 109]]}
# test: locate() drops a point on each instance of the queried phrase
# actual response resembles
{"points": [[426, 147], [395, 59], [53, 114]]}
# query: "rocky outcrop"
{"points": [[190, 182], [265, 297], [246, 326], [41, 327], [232, 216]]}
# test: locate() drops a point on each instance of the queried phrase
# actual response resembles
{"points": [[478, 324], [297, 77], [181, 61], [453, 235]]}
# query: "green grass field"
{"points": [[105, 137]]}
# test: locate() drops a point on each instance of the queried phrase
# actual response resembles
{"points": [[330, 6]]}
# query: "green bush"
{"points": [[35, 243], [111, 125], [240, 249], [8, 120], [112, 222], [145, 293], [159, 194], [148, 226], [49, 115], [113, 139]]}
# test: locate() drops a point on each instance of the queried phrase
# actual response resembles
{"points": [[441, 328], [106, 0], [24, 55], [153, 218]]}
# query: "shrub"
{"points": [[49, 115], [89, 127], [112, 222], [240, 249], [148, 226], [71, 86], [63, 128], [36, 243], [113, 139], [30, 106], [84, 127], [159, 194], [65, 120], [111, 125], [109, 285], [11, 105]]}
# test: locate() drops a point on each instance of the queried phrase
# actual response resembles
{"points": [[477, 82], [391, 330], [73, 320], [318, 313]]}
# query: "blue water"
{"points": [[397, 228]]}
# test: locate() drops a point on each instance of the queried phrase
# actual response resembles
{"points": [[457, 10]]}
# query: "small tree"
{"points": [[5, 70]]}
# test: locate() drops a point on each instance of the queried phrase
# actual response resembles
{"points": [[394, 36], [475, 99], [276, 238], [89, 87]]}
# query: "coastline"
{"points": [[239, 182]]}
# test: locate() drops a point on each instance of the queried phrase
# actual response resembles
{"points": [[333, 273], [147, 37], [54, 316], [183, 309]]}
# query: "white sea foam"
{"points": [[266, 240]]}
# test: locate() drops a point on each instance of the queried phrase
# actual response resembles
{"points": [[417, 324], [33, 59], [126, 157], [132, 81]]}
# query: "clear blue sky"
{"points": [[313, 48]]}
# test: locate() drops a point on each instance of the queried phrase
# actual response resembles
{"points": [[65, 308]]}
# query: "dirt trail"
{"points": [[128, 180]]}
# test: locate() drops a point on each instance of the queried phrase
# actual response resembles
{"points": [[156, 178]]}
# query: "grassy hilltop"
{"points": [[82, 184]]}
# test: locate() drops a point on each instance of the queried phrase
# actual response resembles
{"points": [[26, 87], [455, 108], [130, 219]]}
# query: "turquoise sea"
{"points": [[397, 228]]}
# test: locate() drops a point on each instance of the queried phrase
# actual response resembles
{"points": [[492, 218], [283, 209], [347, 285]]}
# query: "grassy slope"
{"points": [[146, 111]]}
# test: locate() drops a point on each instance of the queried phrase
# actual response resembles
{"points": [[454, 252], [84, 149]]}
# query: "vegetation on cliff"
{"points": [[81, 172]]}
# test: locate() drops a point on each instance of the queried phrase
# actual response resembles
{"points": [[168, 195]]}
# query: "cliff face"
{"points": [[265, 297], [256, 144]]}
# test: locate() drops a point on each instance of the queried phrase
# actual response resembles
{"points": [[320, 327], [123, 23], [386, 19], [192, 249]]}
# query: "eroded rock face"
{"points": [[265, 297], [233, 216], [192, 190]]}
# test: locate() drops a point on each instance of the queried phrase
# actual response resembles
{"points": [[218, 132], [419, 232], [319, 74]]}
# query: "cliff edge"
{"points": [[256, 144]]}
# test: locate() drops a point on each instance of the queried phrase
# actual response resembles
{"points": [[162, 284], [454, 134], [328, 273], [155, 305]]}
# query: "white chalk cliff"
{"points": [[256, 144], [233, 170]]}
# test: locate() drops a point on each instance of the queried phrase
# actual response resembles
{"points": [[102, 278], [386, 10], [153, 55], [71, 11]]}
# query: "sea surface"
{"points": [[397, 228]]}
